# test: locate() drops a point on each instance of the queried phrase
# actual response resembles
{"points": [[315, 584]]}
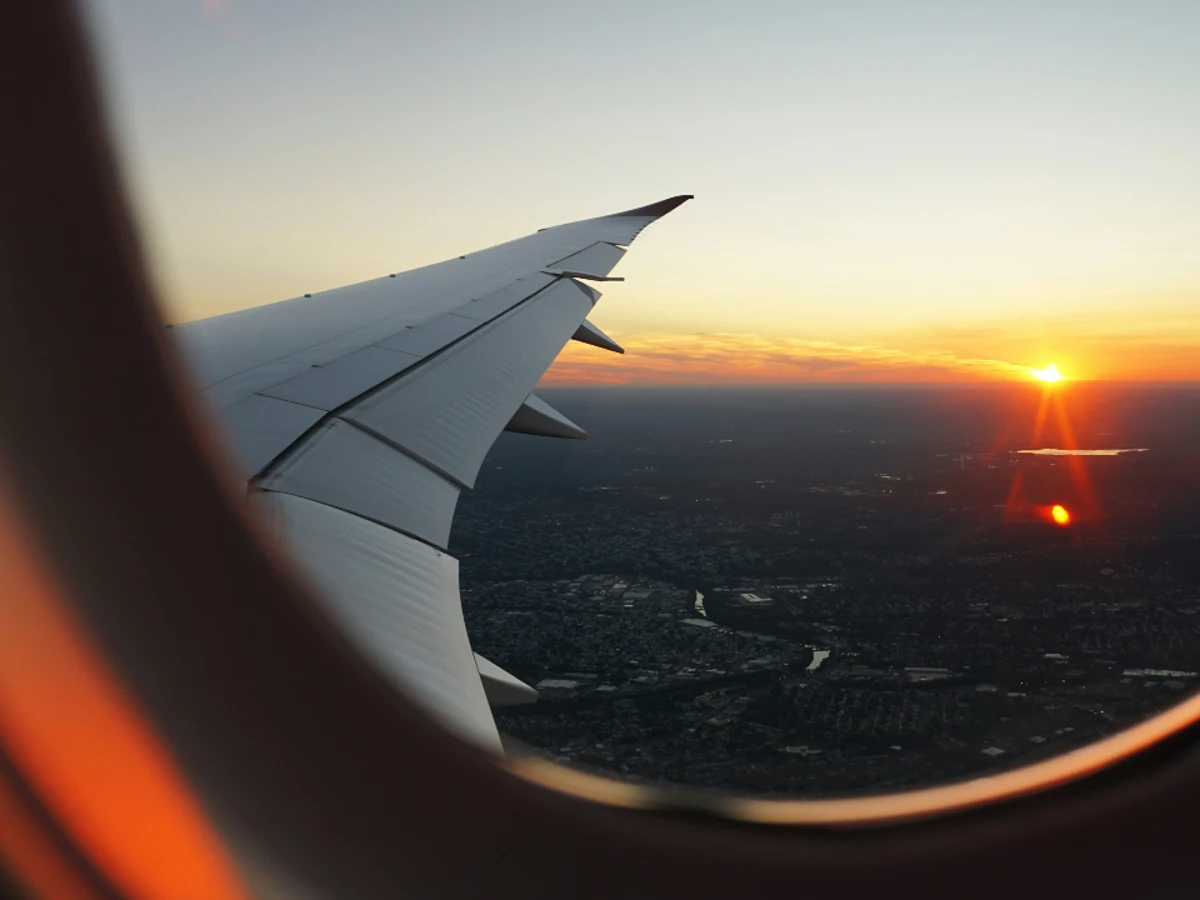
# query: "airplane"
{"points": [[188, 708]]}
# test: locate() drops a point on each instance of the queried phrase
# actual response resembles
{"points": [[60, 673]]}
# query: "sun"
{"points": [[1060, 515], [1050, 374]]}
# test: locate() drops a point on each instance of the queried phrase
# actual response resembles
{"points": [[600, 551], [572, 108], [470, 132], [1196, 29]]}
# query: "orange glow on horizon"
{"points": [[729, 358], [1060, 515]]}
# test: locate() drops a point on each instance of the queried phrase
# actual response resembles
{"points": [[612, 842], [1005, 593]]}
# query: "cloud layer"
{"points": [[725, 358]]}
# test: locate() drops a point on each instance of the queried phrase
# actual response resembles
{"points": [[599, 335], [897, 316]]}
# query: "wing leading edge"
{"points": [[359, 414]]}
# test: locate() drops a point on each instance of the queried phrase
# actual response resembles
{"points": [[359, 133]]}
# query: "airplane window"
{"points": [[895, 483]]}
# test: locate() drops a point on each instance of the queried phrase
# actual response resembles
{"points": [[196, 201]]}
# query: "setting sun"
{"points": [[1060, 515], [1050, 374]]}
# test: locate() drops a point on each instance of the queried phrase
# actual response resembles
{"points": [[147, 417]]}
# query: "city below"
{"points": [[829, 592]]}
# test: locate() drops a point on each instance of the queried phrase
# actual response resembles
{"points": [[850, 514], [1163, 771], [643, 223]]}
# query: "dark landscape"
{"points": [[818, 591]]}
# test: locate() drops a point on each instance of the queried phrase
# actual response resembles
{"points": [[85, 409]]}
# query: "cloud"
{"points": [[727, 358]]}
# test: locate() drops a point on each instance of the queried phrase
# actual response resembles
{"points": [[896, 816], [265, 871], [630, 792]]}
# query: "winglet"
{"points": [[661, 208]]}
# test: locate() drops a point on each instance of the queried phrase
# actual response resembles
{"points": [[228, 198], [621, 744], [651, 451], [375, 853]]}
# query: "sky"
{"points": [[885, 191]]}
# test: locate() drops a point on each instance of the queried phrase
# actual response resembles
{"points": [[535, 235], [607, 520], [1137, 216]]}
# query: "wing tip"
{"points": [[661, 208]]}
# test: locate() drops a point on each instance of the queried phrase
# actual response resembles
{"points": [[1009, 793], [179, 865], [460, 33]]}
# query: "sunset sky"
{"points": [[885, 191]]}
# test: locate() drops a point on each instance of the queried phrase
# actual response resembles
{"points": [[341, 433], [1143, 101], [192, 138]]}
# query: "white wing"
{"points": [[359, 414]]}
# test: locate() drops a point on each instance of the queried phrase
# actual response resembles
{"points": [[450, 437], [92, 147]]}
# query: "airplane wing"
{"points": [[357, 416]]}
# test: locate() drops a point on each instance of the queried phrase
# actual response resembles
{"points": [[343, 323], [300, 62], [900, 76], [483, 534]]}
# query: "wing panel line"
{"points": [[338, 412], [400, 448], [350, 512]]}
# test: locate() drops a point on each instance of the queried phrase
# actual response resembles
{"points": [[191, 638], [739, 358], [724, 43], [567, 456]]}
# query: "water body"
{"points": [[1054, 451], [819, 656]]}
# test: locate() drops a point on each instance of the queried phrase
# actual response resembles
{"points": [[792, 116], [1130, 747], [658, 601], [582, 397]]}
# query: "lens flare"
{"points": [[1060, 515]]}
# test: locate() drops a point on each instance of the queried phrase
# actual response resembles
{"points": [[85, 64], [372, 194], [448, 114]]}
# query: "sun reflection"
{"points": [[1060, 515], [1050, 374]]}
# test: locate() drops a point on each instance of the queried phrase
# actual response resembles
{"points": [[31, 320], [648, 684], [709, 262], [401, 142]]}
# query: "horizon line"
{"points": [[816, 385]]}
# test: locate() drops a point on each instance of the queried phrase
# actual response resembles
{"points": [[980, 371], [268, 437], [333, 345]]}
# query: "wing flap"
{"points": [[451, 409], [344, 467], [398, 599]]}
